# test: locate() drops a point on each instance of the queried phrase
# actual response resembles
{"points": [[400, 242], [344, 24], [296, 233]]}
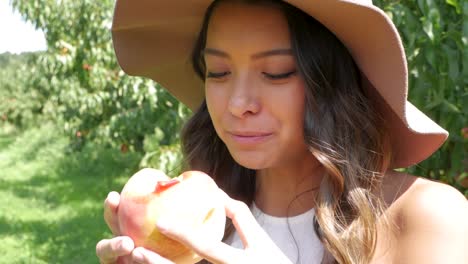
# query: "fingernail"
{"points": [[137, 256], [112, 195], [126, 244]]}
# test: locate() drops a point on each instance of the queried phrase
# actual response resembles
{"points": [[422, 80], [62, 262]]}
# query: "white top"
{"points": [[294, 235]]}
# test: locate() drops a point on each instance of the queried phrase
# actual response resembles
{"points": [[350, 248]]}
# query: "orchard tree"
{"points": [[83, 87], [436, 45]]}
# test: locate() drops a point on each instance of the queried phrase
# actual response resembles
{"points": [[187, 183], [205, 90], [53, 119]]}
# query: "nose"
{"points": [[244, 100]]}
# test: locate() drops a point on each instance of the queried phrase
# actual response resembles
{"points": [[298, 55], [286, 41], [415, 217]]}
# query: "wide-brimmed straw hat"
{"points": [[155, 38]]}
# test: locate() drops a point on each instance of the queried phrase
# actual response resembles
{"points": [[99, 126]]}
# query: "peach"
{"points": [[190, 200]]}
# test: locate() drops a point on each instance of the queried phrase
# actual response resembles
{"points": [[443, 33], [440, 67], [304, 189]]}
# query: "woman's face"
{"points": [[254, 93]]}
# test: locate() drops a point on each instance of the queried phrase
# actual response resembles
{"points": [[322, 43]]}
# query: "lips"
{"points": [[249, 137], [250, 134]]}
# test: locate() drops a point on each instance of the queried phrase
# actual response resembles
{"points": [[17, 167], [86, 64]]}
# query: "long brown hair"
{"points": [[342, 129]]}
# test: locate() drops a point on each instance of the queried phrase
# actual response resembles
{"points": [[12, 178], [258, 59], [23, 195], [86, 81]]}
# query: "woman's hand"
{"points": [[121, 249], [258, 246]]}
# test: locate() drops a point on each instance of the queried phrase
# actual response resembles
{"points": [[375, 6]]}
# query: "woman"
{"points": [[300, 124]]}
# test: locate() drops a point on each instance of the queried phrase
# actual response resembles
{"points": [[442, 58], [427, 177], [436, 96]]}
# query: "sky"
{"points": [[16, 35]]}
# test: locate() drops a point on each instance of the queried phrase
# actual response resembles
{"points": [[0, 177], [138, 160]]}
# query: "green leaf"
{"points": [[451, 107], [453, 62], [428, 28], [455, 4], [434, 104]]}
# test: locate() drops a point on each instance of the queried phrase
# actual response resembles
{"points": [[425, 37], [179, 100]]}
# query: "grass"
{"points": [[51, 199]]}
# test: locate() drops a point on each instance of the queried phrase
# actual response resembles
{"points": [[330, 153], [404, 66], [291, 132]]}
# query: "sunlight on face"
{"points": [[254, 93]]}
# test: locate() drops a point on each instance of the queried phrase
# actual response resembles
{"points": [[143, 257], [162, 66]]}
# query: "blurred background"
{"points": [[73, 126]]}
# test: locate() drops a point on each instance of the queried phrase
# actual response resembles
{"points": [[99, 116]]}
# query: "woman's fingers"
{"points": [[213, 250], [260, 247], [201, 243], [110, 212], [109, 250], [144, 256], [246, 226]]}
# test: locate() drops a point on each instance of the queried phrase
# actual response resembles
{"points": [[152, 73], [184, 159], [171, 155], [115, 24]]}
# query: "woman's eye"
{"points": [[279, 76], [219, 75], [216, 75]]}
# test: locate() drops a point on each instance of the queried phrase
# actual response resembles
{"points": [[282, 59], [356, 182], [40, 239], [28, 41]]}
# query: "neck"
{"points": [[289, 190]]}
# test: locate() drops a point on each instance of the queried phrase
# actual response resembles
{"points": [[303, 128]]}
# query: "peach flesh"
{"points": [[190, 200]]}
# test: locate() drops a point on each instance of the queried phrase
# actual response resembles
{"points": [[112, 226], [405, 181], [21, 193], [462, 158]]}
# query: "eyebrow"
{"points": [[274, 52]]}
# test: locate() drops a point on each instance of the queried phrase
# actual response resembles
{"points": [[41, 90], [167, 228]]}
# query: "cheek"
{"points": [[210, 97], [294, 111], [300, 99], [215, 102], [215, 94], [300, 108], [291, 102]]}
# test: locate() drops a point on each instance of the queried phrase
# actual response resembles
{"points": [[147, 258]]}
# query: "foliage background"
{"points": [[78, 84], [73, 126], [435, 36]]}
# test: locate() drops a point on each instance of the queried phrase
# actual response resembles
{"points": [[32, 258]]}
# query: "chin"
{"points": [[249, 161]]}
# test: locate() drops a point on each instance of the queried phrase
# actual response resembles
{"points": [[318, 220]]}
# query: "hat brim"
{"points": [[154, 39]]}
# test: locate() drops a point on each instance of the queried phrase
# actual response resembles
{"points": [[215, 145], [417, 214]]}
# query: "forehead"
{"points": [[239, 23]]}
